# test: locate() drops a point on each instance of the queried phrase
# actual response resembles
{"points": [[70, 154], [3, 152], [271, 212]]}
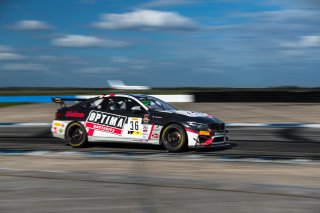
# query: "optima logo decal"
{"points": [[106, 122]]}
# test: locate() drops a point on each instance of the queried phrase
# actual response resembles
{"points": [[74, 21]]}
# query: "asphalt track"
{"points": [[122, 177], [262, 142]]}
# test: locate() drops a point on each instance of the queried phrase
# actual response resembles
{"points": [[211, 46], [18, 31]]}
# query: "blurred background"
{"points": [[160, 43], [252, 63]]}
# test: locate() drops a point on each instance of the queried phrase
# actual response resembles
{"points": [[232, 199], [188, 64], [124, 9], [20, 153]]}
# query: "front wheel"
{"points": [[174, 138], [76, 135]]}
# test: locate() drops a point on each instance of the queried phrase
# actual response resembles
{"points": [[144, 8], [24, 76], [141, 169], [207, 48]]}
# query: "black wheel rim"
{"points": [[76, 135], [173, 137]]}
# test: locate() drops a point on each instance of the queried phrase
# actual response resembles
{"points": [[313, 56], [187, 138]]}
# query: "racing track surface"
{"points": [[244, 142], [144, 178], [50, 184]]}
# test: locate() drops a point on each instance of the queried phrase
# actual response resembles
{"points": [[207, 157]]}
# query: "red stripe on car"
{"points": [[208, 142], [150, 132], [90, 132]]}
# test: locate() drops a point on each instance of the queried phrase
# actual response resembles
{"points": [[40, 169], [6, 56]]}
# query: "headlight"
{"points": [[197, 125]]}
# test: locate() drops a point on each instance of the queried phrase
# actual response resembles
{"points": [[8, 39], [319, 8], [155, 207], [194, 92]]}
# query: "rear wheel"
{"points": [[174, 138], [76, 135]]}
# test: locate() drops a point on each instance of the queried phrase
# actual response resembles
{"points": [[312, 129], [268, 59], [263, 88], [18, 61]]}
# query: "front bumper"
{"points": [[197, 139], [218, 138]]}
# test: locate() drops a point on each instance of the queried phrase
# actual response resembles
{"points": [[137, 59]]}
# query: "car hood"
{"points": [[195, 116]]}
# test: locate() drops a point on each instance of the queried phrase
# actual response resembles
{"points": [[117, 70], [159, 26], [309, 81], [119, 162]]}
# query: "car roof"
{"points": [[136, 96], [139, 95], [126, 95]]}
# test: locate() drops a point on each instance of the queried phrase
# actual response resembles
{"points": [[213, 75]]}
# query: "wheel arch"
{"points": [[67, 127], [169, 123]]}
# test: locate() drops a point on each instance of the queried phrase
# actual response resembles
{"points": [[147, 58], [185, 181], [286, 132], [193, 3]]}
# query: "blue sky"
{"points": [[160, 43]]}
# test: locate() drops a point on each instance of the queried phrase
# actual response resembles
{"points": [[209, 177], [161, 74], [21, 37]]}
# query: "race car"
{"points": [[135, 118]]}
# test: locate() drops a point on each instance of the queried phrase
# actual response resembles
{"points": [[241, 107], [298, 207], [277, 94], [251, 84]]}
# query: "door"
{"points": [[118, 119]]}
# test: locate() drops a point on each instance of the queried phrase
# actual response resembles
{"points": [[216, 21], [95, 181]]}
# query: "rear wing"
{"points": [[62, 103]]}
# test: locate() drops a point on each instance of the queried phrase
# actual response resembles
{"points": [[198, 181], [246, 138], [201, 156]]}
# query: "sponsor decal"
{"points": [[74, 114], [134, 119], [145, 126], [157, 117], [146, 118], [191, 113], [134, 132], [145, 131], [156, 135], [57, 125], [106, 122]]}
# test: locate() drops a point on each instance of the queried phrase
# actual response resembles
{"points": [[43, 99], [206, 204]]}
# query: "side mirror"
{"points": [[137, 110]]}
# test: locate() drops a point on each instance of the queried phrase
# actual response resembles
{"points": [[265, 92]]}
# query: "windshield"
{"points": [[155, 104]]}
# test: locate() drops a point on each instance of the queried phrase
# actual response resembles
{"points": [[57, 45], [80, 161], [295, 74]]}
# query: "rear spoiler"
{"points": [[61, 101]]}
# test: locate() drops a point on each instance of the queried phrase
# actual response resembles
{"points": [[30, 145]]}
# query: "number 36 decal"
{"points": [[134, 125]]}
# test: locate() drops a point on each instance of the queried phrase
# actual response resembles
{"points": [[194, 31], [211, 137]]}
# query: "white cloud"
{"points": [[5, 48], [6, 56], [31, 25], [24, 67], [304, 42], [309, 41], [81, 41], [145, 20]]}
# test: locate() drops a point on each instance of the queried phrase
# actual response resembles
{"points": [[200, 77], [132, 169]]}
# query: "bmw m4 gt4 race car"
{"points": [[135, 118]]}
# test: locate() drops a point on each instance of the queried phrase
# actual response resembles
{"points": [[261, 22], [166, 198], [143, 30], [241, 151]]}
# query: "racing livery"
{"points": [[135, 118]]}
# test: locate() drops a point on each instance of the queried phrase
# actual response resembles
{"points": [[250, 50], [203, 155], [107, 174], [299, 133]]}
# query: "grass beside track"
{"points": [[9, 104]]}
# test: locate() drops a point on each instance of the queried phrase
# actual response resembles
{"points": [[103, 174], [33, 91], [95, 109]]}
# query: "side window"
{"points": [[152, 104], [122, 104], [92, 104]]}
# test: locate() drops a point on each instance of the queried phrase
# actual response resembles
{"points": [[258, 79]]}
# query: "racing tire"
{"points": [[174, 138], [76, 135]]}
